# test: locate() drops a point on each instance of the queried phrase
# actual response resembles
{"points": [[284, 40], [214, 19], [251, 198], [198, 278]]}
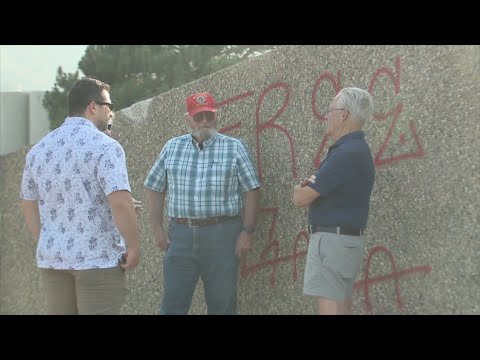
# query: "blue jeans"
{"points": [[206, 251]]}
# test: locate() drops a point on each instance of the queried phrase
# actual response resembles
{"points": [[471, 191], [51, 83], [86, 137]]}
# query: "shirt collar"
{"points": [[206, 143], [349, 136], [78, 120]]}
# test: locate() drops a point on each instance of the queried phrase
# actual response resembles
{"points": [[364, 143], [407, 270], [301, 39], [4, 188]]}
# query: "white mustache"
{"points": [[204, 133]]}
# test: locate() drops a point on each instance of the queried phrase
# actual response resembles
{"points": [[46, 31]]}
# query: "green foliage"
{"points": [[139, 72], [55, 101]]}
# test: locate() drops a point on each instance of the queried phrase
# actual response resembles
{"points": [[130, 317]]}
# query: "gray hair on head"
{"points": [[358, 102]]}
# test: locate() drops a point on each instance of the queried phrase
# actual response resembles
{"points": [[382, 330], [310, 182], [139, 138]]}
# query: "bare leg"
{"points": [[332, 307], [347, 306]]}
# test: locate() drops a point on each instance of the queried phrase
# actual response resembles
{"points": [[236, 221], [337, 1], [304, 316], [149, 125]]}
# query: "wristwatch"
{"points": [[248, 229]]}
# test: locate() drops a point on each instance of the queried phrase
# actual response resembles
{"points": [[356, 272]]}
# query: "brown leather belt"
{"points": [[203, 222]]}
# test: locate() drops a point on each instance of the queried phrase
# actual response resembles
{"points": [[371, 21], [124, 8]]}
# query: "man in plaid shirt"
{"points": [[210, 228]]}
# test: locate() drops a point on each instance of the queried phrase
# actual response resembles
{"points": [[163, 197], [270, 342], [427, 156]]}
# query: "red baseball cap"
{"points": [[199, 102]]}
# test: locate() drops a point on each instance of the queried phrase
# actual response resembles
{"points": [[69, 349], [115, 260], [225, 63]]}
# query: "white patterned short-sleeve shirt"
{"points": [[70, 172]]}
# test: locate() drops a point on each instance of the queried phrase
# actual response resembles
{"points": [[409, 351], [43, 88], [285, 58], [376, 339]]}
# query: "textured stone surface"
{"points": [[20, 289], [422, 253]]}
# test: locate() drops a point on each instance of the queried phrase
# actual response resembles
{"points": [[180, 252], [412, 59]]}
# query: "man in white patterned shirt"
{"points": [[206, 175], [76, 201]]}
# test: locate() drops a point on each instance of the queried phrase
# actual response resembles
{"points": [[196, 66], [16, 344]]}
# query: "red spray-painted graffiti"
{"points": [[395, 114], [230, 101], [362, 284], [273, 245], [381, 158], [395, 275], [336, 87], [334, 81]]}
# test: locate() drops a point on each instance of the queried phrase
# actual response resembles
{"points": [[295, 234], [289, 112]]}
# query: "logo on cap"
{"points": [[200, 99]]}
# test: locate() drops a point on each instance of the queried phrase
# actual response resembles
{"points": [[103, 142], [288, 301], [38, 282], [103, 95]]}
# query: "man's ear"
{"points": [[89, 110]]}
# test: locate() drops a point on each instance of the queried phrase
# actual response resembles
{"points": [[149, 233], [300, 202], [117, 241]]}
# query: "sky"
{"points": [[34, 67]]}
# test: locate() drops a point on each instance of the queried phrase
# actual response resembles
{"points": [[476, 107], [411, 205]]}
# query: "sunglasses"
{"points": [[110, 105], [208, 114]]}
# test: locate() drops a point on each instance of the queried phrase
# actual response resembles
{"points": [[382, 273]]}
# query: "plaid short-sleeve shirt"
{"points": [[204, 182]]}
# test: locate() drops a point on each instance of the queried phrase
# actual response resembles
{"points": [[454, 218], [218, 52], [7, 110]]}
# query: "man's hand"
{"points": [[161, 239], [304, 195], [307, 180], [243, 244], [130, 259]]}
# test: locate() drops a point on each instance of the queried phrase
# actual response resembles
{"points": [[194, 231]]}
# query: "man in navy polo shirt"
{"points": [[338, 197]]}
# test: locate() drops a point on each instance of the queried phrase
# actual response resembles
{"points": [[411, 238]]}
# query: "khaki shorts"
{"points": [[84, 292], [332, 264]]}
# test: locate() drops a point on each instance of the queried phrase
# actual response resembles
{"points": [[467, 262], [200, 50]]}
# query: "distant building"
{"points": [[23, 120]]}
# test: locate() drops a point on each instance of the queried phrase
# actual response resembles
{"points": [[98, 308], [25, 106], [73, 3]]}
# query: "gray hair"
{"points": [[358, 102]]}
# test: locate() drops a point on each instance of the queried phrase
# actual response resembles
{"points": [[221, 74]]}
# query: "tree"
{"points": [[55, 101], [138, 72]]}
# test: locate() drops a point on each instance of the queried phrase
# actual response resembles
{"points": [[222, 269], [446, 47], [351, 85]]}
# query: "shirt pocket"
{"points": [[220, 172]]}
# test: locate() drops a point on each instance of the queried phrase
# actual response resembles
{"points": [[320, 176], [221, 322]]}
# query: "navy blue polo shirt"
{"points": [[344, 180]]}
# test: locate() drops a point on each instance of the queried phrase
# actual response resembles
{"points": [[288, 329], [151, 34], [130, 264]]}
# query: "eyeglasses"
{"points": [[110, 105], [208, 114], [329, 110]]}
